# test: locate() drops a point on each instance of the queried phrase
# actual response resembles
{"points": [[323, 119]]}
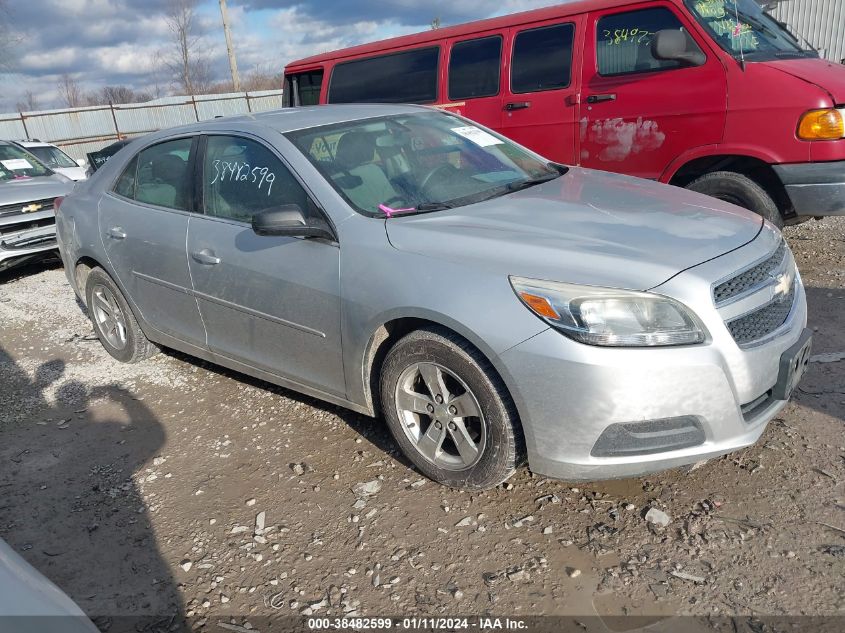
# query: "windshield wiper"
{"points": [[531, 182], [433, 206]]}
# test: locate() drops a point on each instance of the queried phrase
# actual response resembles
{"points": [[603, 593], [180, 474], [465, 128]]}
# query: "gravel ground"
{"points": [[184, 492]]}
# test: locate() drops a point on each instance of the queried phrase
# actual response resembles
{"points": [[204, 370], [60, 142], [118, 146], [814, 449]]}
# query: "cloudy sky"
{"points": [[116, 42]]}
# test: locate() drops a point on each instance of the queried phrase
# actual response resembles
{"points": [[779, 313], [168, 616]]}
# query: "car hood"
{"points": [[826, 75], [29, 189], [586, 227], [74, 173]]}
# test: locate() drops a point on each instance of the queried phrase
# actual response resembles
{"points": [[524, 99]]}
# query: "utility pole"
{"points": [[233, 63]]}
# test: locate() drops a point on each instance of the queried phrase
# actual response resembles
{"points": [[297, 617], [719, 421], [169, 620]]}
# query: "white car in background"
{"points": [[56, 159]]}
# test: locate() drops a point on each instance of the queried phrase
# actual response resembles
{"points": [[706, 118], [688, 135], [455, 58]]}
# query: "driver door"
{"points": [[272, 303]]}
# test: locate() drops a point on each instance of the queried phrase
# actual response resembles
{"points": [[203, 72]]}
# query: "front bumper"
{"points": [[719, 397], [815, 189], [16, 248]]}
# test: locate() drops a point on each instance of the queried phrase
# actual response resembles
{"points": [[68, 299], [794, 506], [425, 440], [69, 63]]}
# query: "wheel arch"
{"points": [[755, 167]]}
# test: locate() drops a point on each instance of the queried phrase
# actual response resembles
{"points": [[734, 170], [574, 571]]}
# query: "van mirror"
{"points": [[288, 220], [675, 45]]}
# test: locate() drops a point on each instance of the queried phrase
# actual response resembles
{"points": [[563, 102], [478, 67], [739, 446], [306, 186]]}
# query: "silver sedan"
{"points": [[404, 262]]}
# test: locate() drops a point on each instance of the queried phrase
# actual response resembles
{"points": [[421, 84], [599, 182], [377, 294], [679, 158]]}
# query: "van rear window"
{"points": [[474, 68], [542, 59], [406, 77]]}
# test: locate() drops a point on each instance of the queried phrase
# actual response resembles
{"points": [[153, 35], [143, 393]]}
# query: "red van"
{"points": [[713, 95]]}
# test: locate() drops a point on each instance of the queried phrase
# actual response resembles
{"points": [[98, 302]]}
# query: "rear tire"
{"points": [[113, 321], [478, 442], [739, 190]]}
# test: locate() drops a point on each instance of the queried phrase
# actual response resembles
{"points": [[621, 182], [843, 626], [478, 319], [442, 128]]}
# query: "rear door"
{"points": [[143, 225], [639, 113], [540, 107], [270, 302]]}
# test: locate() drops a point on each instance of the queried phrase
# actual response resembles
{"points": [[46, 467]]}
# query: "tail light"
{"points": [[58, 202]]}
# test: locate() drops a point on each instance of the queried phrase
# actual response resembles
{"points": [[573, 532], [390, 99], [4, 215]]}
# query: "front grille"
{"points": [[18, 227], [763, 321], [751, 279], [32, 206]]}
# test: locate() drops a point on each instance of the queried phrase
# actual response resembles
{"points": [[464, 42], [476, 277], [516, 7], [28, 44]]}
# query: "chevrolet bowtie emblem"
{"points": [[32, 208], [783, 284]]}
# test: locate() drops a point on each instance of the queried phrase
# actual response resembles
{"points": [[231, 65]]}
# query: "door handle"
{"points": [[206, 256], [517, 105], [600, 98], [117, 233]]}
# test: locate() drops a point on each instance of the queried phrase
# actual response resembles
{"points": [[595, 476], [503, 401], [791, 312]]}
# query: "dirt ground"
{"points": [[208, 500]]}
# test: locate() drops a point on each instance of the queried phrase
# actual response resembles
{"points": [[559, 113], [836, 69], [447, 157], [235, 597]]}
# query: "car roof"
{"points": [[292, 119], [574, 7], [35, 144]]}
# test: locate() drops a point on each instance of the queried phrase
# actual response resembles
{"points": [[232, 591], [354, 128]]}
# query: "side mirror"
{"points": [[674, 45], [81, 162], [288, 220]]}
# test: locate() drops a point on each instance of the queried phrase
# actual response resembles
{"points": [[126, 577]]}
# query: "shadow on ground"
{"points": [[79, 466]]}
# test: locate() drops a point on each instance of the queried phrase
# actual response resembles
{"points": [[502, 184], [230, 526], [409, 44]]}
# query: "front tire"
{"points": [[113, 321], [449, 411], [739, 190]]}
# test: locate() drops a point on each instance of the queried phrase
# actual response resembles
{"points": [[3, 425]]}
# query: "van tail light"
{"points": [[822, 125], [58, 203]]}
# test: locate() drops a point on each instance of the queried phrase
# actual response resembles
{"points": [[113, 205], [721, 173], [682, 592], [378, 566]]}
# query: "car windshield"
{"points": [[746, 31], [53, 157], [418, 162], [16, 163]]}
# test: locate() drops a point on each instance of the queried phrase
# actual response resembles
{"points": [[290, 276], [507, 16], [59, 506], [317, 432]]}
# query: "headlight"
{"points": [[822, 125], [610, 317]]}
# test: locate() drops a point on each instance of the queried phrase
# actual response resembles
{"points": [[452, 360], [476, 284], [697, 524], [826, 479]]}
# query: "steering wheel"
{"points": [[444, 169]]}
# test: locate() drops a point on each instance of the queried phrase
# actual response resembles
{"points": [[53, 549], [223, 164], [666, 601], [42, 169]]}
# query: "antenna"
{"points": [[738, 35]]}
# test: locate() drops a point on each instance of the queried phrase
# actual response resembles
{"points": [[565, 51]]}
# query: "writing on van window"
{"points": [[710, 8], [617, 36], [740, 31], [243, 172]]}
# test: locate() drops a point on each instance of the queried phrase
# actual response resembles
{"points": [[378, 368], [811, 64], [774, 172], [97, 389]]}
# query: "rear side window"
{"points": [[542, 59], [624, 41], [163, 178], [474, 68], [407, 77]]}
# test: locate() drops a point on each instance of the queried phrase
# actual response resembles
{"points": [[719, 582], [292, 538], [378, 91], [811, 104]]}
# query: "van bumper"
{"points": [[814, 189]]}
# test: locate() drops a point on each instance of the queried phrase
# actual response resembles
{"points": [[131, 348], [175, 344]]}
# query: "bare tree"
{"points": [[70, 92], [188, 64], [435, 23], [116, 94], [29, 103]]}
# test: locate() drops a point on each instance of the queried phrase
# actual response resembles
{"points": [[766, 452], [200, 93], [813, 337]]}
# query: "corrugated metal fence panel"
{"points": [[820, 22], [142, 119], [12, 128], [82, 130]]}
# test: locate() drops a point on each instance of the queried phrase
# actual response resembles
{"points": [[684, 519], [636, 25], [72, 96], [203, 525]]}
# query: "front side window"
{"points": [[163, 178], [418, 162], [742, 27], [53, 157], [624, 41], [542, 59], [474, 68], [241, 177], [18, 164], [406, 77]]}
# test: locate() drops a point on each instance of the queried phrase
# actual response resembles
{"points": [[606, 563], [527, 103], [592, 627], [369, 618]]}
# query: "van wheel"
{"points": [[114, 323], [449, 411], [739, 190]]}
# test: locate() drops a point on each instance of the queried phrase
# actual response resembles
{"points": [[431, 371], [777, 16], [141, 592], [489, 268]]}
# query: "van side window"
{"points": [[474, 68], [623, 41], [303, 88], [542, 59], [406, 77]]}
